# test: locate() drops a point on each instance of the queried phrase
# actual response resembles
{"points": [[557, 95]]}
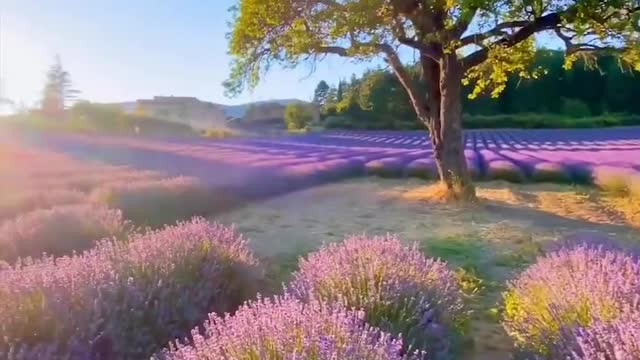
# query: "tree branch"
{"points": [[336, 50], [498, 30], [423, 48], [463, 22], [542, 23], [418, 102]]}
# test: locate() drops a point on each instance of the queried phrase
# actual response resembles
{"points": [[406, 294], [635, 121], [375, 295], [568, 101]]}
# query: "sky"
{"points": [[123, 50]]}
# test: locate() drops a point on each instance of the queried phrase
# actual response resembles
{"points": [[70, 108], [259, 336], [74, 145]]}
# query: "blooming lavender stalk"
{"points": [[571, 287], [400, 290], [285, 328], [124, 298]]}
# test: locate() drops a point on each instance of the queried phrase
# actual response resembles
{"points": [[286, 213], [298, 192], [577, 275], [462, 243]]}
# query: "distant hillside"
{"points": [[238, 111]]}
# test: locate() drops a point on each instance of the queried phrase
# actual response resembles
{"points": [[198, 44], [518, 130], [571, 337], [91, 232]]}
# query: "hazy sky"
{"points": [[119, 50], [123, 50]]}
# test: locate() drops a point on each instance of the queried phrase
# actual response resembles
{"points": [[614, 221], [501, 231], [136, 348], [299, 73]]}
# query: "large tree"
{"points": [[458, 41], [320, 94], [58, 92]]}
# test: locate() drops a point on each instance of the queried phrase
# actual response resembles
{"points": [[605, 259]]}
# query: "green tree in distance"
{"points": [[57, 93], [458, 41], [321, 93], [297, 116]]}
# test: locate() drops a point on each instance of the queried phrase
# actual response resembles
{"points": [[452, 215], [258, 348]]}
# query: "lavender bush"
{"points": [[124, 299], [577, 286], [616, 340], [286, 328], [400, 290], [156, 202], [58, 231]]}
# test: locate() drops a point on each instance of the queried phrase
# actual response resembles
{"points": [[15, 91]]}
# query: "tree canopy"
{"points": [[493, 38], [57, 91], [297, 116]]}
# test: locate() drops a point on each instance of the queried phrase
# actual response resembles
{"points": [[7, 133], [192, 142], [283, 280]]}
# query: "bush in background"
{"points": [[286, 328], [124, 300], [297, 116], [58, 231], [571, 287], [219, 133], [156, 202], [547, 121], [575, 108], [398, 288]]}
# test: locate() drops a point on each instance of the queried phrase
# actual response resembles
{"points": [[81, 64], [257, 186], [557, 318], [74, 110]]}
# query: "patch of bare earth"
{"points": [[508, 219]]}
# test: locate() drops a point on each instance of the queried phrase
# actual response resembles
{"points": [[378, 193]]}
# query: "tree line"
{"points": [[377, 100]]}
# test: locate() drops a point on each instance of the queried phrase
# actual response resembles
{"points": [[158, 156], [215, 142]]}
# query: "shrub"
{"points": [[575, 108], [547, 121], [157, 202], [58, 231], [298, 116], [570, 287], [339, 122], [400, 290], [286, 328], [124, 299], [219, 133], [617, 340]]}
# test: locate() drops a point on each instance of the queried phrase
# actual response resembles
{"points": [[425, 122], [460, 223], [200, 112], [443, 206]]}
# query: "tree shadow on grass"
{"points": [[543, 219]]}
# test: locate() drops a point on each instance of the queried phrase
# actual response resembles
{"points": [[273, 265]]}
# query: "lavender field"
{"points": [[123, 248], [263, 166]]}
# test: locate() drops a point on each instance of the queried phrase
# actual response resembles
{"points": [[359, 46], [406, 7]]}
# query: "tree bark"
{"points": [[449, 141], [441, 112], [444, 87]]}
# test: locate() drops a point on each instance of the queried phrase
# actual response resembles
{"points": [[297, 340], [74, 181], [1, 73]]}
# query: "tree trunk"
{"points": [[446, 127], [441, 112], [449, 152]]}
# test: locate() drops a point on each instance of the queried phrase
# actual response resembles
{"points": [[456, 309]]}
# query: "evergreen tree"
{"points": [[321, 93], [58, 93]]}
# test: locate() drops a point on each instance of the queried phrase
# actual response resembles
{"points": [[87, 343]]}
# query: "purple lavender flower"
{"points": [[289, 329], [616, 340], [399, 289], [132, 296], [570, 287]]}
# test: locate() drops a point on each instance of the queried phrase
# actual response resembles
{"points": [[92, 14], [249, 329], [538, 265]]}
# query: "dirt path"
{"points": [[489, 242]]}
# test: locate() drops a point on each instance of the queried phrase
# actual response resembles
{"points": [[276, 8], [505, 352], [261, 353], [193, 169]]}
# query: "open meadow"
{"points": [[122, 247]]}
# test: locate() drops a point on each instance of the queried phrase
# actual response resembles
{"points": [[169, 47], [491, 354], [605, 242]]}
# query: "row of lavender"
{"points": [[284, 163], [365, 298], [52, 203]]}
